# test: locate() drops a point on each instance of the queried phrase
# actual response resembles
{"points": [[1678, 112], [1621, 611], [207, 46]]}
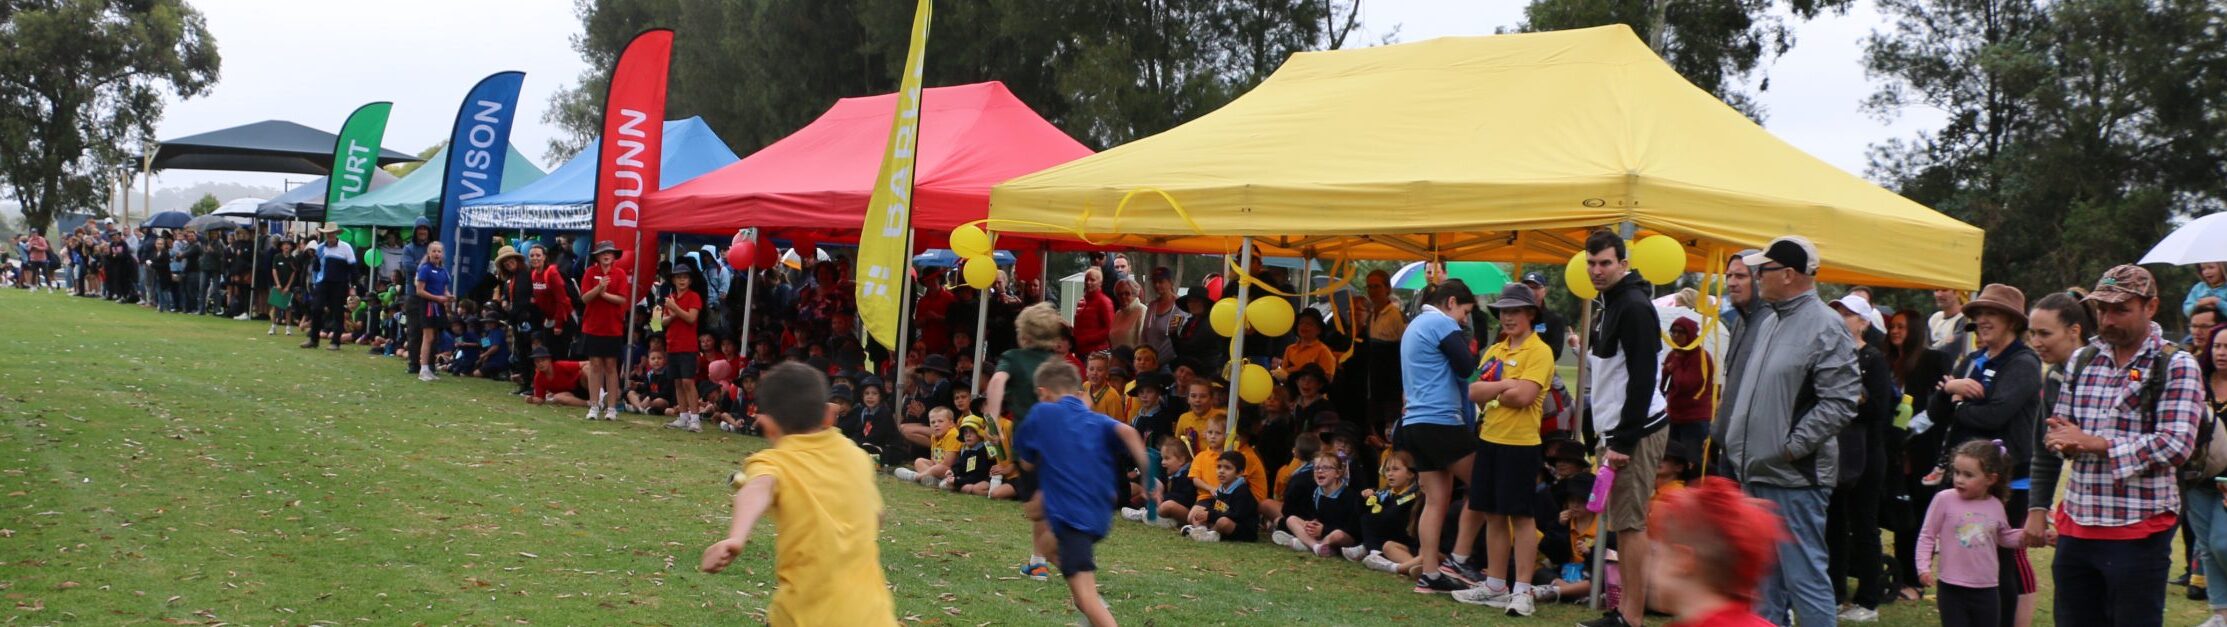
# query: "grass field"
{"points": [[174, 469]]}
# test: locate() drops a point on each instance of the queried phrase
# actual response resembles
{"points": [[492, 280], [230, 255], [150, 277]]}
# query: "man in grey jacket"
{"points": [[1789, 390]]}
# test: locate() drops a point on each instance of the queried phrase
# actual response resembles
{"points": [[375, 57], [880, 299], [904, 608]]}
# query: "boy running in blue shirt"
{"points": [[1073, 507]]}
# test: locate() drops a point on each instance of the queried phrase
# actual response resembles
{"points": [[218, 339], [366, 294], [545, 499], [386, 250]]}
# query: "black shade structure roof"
{"points": [[266, 146]]}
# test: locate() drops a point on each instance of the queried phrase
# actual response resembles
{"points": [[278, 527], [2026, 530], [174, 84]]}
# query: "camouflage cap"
{"points": [[2124, 282]]}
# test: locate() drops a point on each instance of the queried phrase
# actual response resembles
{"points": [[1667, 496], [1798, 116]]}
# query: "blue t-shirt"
{"points": [[434, 279], [1078, 481], [1435, 394]]}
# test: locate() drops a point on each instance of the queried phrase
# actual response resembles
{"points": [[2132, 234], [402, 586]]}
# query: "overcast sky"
{"points": [[277, 59]]}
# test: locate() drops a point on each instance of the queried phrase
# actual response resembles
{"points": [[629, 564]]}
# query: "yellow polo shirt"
{"points": [[1518, 426], [827, 556]]}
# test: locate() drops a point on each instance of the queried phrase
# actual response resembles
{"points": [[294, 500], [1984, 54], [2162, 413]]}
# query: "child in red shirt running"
{"points": [[1715, 546]]}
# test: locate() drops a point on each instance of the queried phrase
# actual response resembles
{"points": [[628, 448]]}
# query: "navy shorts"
{"points": [[606, 347], [1504, 479], [683, 365], [1435, 447], [1077, 553]]}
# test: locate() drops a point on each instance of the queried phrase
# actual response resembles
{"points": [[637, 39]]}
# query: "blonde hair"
{"points": [[1039, 327], [1059, 376]]}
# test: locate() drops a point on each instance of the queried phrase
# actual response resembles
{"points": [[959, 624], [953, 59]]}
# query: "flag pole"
{"points": [[1237, 341], [750, 290]]}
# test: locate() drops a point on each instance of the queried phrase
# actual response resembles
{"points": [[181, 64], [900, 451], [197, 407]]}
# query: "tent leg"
{"points": [[904, 328], [626, 357], [1237, 341], [1600, 546], [750, 295], [981, 347]]}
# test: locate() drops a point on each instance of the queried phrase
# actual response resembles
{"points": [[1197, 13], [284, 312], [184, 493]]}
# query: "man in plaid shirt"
{"points": [[2115, 531]]}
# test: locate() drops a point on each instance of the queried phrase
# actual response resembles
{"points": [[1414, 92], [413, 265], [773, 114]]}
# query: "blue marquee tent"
{"points": [[565, 200]]}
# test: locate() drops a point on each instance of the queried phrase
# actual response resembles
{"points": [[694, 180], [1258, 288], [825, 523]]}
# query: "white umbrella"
{"points": [[2201, 240], [239, 207]]}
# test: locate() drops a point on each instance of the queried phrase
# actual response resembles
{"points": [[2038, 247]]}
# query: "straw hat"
{"points": [[1999, 298], [506, 252]]}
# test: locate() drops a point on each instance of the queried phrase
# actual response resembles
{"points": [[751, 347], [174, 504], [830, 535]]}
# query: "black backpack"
{"points": [[2209, 459]]}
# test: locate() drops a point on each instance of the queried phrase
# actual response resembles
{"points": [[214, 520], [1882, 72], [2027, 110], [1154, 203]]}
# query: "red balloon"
{"points": [[1214, 288], [742, 254], [768, 254]]}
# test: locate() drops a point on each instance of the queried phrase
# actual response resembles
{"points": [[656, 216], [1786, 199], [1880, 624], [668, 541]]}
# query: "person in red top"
{"points": [[551, 301], [607, 290], [1688, 380], [930, 315], [1713, 546], [681, 310], [1094, 314], [556, 382], [40, 257]]}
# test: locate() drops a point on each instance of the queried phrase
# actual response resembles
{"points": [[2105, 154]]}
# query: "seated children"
{"points": [[651, 392], [1388, 519], [1180, 494], [971, 473], [464, 347], [1715, 546], [943, 452], [1203, 467], [736, 402], [878, 424], [1327, 519], [1150, 412], [1230, 511], [556, 382], [822, 494], [494, 354], [1069, 448], [1192, 425], [1296, 480], [1575, 555], [1672, 473]]}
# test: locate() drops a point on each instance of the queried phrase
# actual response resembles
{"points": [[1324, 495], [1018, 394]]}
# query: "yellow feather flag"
{"points": [[884, 242]]}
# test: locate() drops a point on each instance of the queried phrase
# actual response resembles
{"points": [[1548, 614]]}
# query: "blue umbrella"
{"points": [[944, 258], [167, 220]]}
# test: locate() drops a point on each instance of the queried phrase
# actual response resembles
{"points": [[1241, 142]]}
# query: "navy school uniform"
{"points": [[1236, 503], [973, 466], [1180, 488], [1386, 516]]}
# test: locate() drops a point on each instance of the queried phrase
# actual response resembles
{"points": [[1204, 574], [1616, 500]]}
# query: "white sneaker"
{"points": [[1132, 514], [947, 484], [930, 481], [426, 374], [905, 474], [2214, 621], [1205, 535], [695, 424], [593, 410], [1377, 561], [244, 317], [271, 331], [611, 413], [1861, 614], [1164, 522], [1483, 595], [1281, 538], [1521, 605], [1354, 553], [679, 422]]}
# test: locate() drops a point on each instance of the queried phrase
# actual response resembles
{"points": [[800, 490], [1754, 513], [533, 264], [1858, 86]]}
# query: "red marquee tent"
{"points": [[820, 178]]}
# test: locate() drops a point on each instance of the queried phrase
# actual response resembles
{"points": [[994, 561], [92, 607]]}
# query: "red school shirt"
{"points": [[605, 318], [550, 297], [563, 376], [680, 335]]}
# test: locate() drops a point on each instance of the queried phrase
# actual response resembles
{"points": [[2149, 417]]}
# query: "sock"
{"points": [[1523, 588], [1496, 583], [1036, 559], [1459, 559]]}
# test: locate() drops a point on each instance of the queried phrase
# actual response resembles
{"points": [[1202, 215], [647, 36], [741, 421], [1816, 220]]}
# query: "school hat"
{"points": [[2122, 283], [1196, 366], [1515, 295], [1682, 451], [685, 268], [935, 363], [2001, 299], [1118, 371], [971, 422], [605, 246], [1156, 380], [541, 352], [1577, 488], [1565, 451], [1792, 251], [1310, 370], [840, 392], [506, 252]]}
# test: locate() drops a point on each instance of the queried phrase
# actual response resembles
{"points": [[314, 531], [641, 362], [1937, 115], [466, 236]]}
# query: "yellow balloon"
{"points": [[1580, 283], [1269, 315], [1659, 259], [1224, 317], [981, 271], [1254, 384], [969, 241]]}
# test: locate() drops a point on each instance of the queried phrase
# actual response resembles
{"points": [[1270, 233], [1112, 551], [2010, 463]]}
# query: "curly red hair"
{"points": [[1736, 535]]}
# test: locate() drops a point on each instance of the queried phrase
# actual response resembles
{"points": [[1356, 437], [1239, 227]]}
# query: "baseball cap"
{"points": [[2123, 282], [1792, 251], [1862, 308], [1534, 278]]}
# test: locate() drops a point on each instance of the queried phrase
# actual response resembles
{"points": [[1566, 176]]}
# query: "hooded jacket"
{"points": [[413, 251], [1626, 353], [1788, 393]]}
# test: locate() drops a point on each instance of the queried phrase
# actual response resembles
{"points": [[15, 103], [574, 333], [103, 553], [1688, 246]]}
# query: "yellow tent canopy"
{"points": [[1449, 148]]}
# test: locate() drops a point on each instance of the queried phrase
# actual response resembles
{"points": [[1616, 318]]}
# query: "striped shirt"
{"points": [[2134, 479]]}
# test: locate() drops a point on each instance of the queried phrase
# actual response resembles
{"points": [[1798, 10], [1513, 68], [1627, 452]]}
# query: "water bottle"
{"points": [[1601, 482]]}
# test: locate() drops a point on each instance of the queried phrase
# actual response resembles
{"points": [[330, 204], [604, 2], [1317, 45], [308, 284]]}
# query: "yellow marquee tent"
{"points": [[1451, 147]]}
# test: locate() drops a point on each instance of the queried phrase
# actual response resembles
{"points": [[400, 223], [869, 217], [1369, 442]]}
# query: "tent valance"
{"points": [[1450, 148], [419, 194], [565, 200]]}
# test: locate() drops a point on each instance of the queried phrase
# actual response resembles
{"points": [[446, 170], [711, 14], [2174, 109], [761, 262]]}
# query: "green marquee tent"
{"points": [[419, 195]]}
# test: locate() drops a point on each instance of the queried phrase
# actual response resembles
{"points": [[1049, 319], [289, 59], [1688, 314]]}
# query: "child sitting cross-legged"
{"points": [[1326, 520], [651, 392], [934, 470], [1388, 519], [970, 471], [1230, 511], [1180, 494], [1296, 480]]}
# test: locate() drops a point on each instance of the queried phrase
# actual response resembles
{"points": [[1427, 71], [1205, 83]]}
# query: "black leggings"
{"points": [[330, 305], [1969, 607]]}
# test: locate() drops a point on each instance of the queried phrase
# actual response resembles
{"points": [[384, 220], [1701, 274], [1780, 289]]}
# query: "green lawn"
{"points": [[168, 469]]}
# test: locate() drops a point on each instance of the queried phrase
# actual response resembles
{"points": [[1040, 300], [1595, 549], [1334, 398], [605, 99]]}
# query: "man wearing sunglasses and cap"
{"points": [[1790, 393]]}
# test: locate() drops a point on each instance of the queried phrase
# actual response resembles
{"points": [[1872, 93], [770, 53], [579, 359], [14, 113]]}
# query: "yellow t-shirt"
{"points": [[1299, 354], [1193, 426], [945, 448], [1203, 474], [827, 556], [1109, 401], [1518, 426]]}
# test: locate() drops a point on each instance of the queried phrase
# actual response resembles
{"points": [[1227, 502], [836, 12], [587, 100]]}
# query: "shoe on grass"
{"points": [[905, 474], [1433, 583], [1612, 619], [1285, 539], [1859, 614], [1354, 553], [1377, 562], [1037, 570], [1521, 605]]}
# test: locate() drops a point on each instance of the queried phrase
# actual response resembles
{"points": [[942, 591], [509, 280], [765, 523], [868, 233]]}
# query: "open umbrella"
{"points": [[1483, 277], [944, 258], [2199, 241], [211, 222], [167, 220], [239, 207]]}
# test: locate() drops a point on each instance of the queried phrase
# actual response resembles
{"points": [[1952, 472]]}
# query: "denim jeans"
{"points": [[2208, 518], [1799, 581], [2123, 580]]}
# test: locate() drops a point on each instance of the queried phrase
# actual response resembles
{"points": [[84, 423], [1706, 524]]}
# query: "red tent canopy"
{"points": [[820, 178]]}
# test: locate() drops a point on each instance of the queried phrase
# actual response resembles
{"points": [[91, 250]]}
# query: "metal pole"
{"points": [[981, 326], [904, 331], [626, 338], [750, 293], [1600, 544], [1237, 341]]}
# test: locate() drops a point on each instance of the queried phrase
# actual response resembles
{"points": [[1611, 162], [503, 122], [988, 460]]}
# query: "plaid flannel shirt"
{"points": [[2134, 479]]}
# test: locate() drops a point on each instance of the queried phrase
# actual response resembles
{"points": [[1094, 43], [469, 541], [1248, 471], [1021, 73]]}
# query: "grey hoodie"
{"points": [[1789, 391]]}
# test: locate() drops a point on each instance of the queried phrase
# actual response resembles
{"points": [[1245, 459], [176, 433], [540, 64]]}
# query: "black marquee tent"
{"points": [[266, 146]]}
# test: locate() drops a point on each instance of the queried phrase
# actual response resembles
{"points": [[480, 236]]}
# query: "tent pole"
{"points": [[626, 357], [1584, 395], [750, 291], [904, 328], [981, 326], [1306, 280], [1237, 341]]}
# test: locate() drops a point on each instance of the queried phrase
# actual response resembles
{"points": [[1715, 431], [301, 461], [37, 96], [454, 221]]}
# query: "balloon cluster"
{"points": [[742, 252], [973, 246], [1657, 258], [1271, 316]]}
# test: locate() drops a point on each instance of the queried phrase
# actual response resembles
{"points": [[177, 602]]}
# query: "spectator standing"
{"points": [[1629, 412], [1789, 395], [1551, 326], [1438, 427], [608, 290], [1162, 318], [1946, 327], [1094, 315], [2115, 531], [1689, 382], [331, 273], [1128, 316], [1381, 346], [1994, 393], [1852, 519]]}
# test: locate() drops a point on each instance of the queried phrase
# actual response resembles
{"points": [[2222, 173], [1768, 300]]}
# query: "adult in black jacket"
{"points": [[1852, 516], [1994, 393], [519, 314], [331, 268]]}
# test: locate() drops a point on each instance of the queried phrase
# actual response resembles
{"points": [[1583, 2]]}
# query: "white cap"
{"points": [[1857, 305]]}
